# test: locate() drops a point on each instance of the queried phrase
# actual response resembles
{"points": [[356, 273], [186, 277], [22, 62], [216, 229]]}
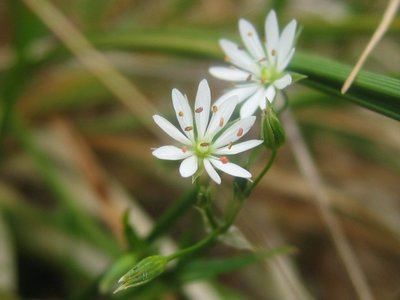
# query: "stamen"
{"points": [[250, 33], [205, 144], [248, 77], [188, 128], [184, 149], [227, 59], [214, 108], [262, 59], [240, 47], [240, 132], [221, 122], [230, 145], [199, 109], [273, 52], [181, 114], [224, 160]]}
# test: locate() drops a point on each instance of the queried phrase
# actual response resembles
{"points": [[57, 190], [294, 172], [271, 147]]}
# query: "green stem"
{"points": [[261, 175], [172, 214]]}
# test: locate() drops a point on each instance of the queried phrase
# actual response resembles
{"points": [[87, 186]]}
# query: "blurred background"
{"points": [[75, 147]]}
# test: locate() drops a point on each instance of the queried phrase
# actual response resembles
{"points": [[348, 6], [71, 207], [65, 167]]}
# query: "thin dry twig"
{"points": [[94, 61], [322, 201], [383, 26]]}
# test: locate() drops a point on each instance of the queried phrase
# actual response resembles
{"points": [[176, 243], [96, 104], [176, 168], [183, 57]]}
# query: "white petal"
{"points": [[229, 74], [170, 153], [271, 35], [250, 106], [242, 93], [283, 82], [239, 57], [270, 94], [286, 41], [230, 168], [220, 118], [188, 166], [171, 130], [235, 131], [183, 112], [284, 64], [202, 107], [251, 40], [211, 171], [238, 148]]}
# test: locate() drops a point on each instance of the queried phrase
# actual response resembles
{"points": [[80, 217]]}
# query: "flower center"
{"points": [[203, 149], [268, 75]]}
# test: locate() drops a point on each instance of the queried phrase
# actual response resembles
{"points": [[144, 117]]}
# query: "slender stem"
{"points": [[263, 172], [172, 214], [199, 246]]}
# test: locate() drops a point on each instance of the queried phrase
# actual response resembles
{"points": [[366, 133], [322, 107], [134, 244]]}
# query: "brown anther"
{"points": [[249, 34], [205, 144], [199, 109], [262, 59], [227, 59], [184, 149], [273, 52], [214, 108], [224, 160], [221, 122], [188, 128], [180, 113], [240, 132], [248, 77], [230, 145], [240, 47]]}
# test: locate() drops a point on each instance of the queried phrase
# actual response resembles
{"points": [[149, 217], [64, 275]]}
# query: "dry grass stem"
{"points": [[309, 170], [94, 61], [388, 17]]}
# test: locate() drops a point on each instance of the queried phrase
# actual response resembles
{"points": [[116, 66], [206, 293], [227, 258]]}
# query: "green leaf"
{"points": [[370, 90], [210, 268]]}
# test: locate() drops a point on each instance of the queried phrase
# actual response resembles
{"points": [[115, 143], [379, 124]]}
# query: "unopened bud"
{"points": [[272, 130], [145, 271]]}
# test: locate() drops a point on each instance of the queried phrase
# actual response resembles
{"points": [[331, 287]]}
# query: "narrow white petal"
{"points": [[283, 82], [271, 35], [183, 112], [239, 57], [188, 166], [171, 153], [230, 168], [250, 106], [251, 40], [270, 94], [235, 131], [238, 148], [202, 107], [171, 130], [221, 117], [286, 41], [285, 63], [242, 93], [211, 171], [229, 74]]}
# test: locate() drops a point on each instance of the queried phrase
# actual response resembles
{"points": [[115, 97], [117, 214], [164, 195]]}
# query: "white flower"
{"points": [[259, 71], [204, 141]]}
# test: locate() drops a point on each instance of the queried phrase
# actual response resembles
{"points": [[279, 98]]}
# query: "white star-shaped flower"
{"points": [[205, 142], [259, 69]]}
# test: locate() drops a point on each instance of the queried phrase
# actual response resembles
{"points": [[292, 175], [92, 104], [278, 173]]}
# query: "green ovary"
{"points": [[203, 149]]}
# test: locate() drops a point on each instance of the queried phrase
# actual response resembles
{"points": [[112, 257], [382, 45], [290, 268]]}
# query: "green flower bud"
{"points": [[272, 131], [145, 271]]}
